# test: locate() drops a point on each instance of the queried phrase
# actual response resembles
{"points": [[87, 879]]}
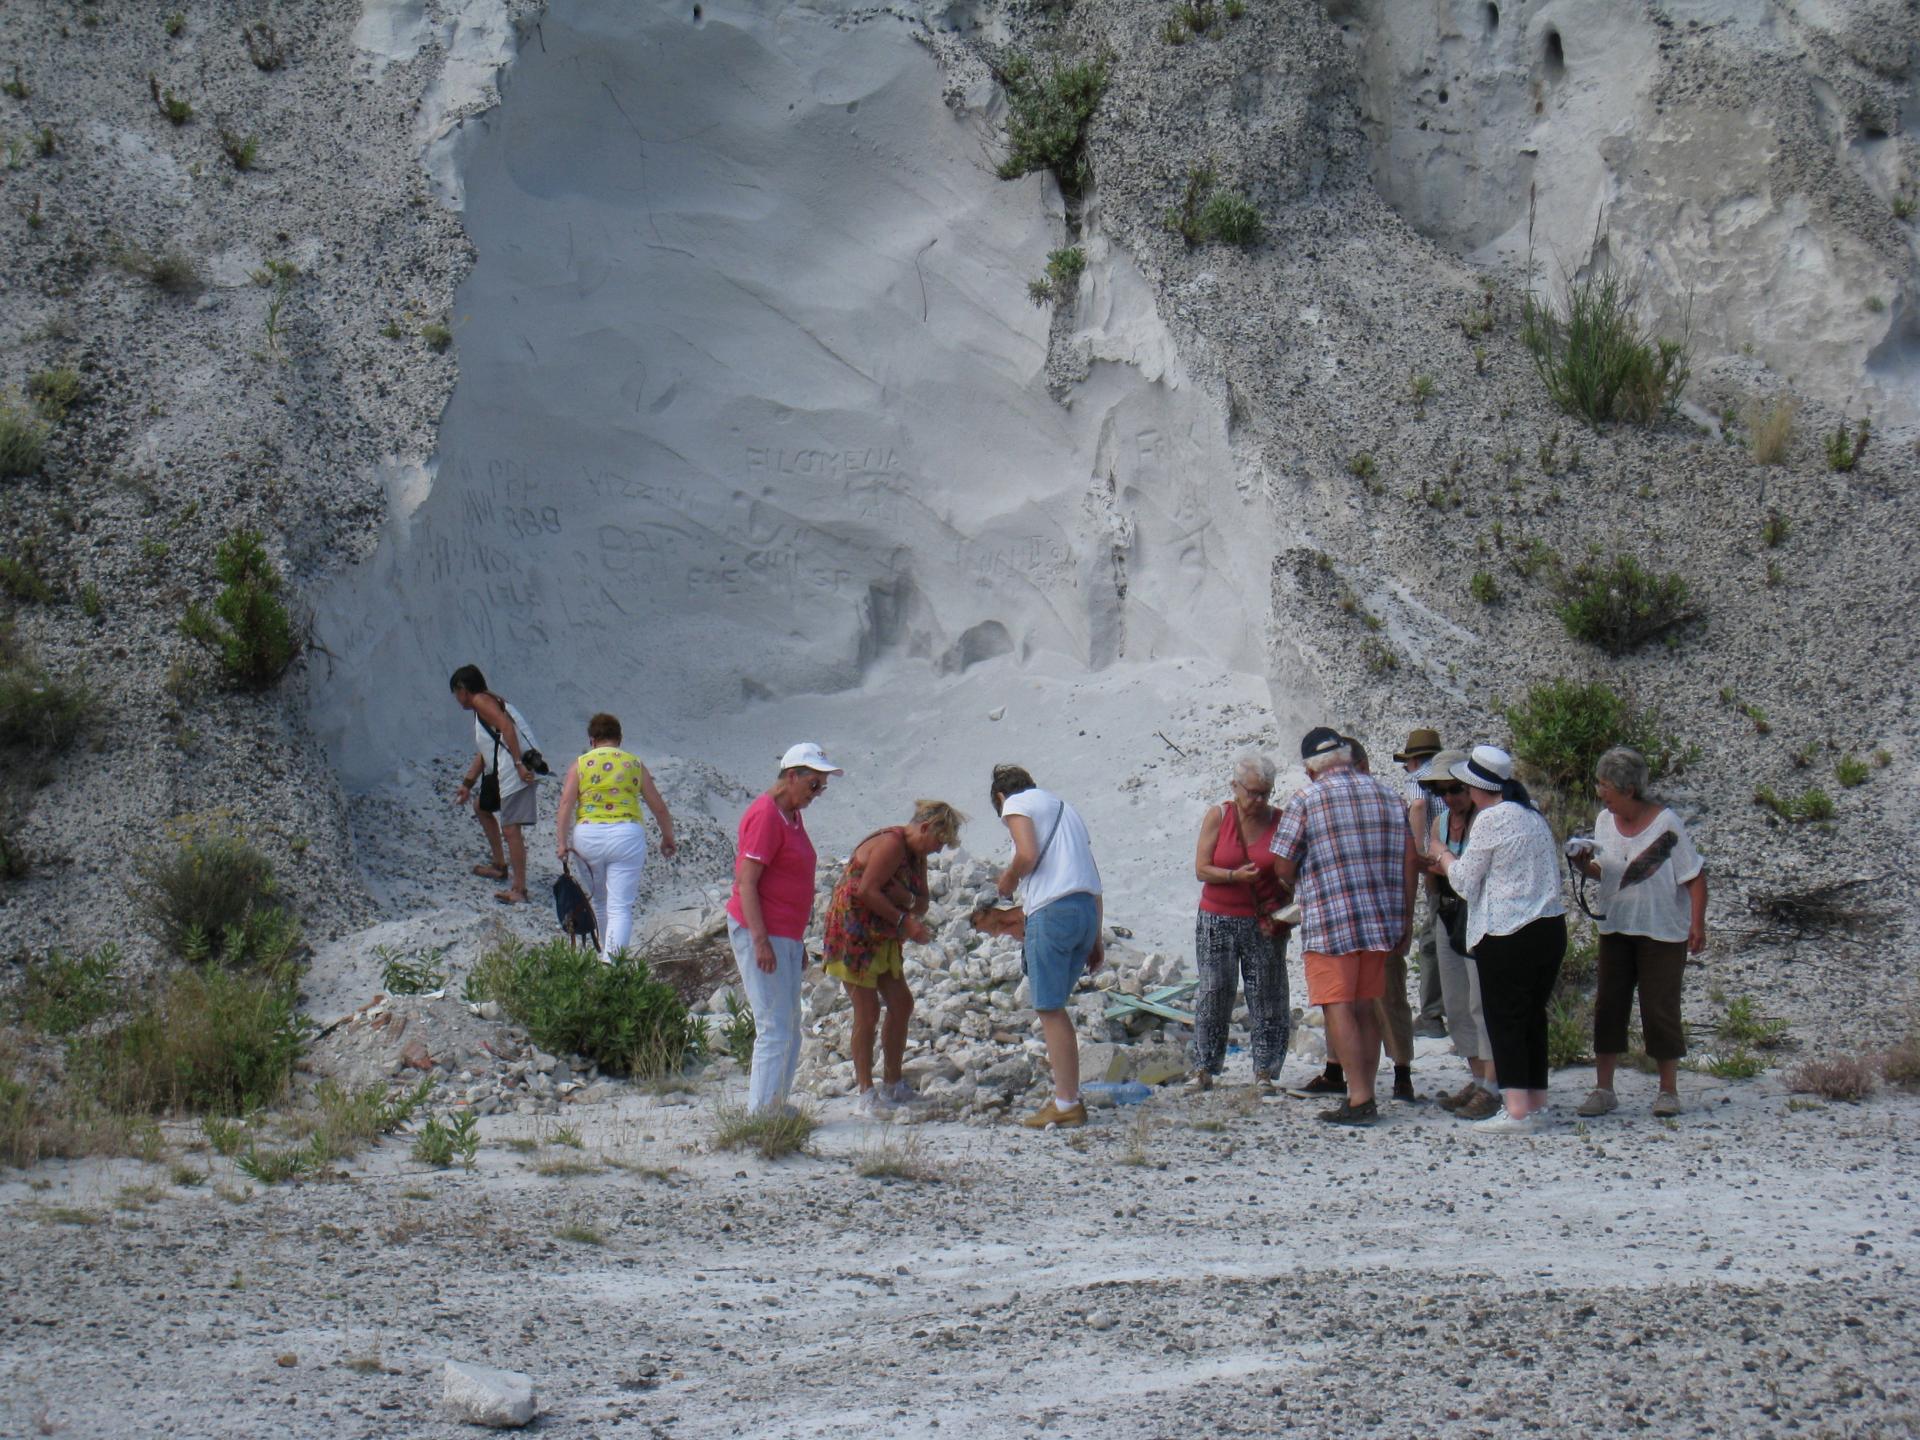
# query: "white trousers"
{"points": [[775, 1000], [616, 853]]}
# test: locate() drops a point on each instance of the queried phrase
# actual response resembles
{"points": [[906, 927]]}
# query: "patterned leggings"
{"points": [[1227, 948]]}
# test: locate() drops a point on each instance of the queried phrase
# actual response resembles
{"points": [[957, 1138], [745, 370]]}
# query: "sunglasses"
{"points": [[1447, 789], [817, 783]]}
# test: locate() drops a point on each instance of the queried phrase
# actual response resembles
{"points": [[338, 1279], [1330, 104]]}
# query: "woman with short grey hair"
{"points": [[1235, 936], [1653, 901]]}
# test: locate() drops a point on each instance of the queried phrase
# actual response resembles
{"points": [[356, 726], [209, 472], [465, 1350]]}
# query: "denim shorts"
{"points": [[1060, 938]]}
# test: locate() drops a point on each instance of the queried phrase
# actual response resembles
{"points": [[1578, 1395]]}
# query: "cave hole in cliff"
{"points": [[1491, 13], [1553, 56], [1443, 95]]}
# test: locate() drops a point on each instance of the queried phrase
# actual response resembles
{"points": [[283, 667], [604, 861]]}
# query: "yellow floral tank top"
{"points": [[609, 786]]}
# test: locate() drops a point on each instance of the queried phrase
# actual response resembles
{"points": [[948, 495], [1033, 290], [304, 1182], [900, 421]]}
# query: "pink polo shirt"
{"points": [[786, 884]]}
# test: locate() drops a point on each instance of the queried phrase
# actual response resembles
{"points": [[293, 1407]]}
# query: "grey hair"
{"points": [[1252, 762], [1327, 759], [1626, 770]]}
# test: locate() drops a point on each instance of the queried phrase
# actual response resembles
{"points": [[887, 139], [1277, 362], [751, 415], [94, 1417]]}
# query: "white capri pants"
{"points": [[616, 853], [1460, 995]]}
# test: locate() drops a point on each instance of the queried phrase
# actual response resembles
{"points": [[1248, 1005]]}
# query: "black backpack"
{"points": [[573, 907]]}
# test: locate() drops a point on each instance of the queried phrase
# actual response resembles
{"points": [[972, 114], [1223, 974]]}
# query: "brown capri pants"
{"points": [[1656, 967]]}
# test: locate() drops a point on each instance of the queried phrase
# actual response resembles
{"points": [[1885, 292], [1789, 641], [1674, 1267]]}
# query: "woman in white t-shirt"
{"points": [[1653, 902]]}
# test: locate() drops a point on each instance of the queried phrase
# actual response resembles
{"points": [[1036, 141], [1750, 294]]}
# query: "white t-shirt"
{"points": [[1066, 867], [510, 782], [1655, 903]]}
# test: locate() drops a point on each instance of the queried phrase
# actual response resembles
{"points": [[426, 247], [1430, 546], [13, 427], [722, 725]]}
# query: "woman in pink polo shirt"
{"points": [[767, 917]]}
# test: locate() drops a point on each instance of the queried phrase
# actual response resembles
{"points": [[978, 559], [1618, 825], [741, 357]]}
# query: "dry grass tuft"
{"points": [[887, 1158], [774, 1135], [1770, 429], [1836, 1077]]}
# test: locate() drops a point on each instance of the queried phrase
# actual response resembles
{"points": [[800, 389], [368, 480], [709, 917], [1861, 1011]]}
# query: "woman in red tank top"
{"points": [[1236, 937]]}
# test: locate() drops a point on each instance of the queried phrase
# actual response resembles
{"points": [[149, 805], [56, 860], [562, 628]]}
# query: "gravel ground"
{"points": [[1213, 1265]]}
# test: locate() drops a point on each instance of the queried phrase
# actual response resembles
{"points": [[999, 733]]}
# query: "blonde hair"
{"points": [[940, 817]]}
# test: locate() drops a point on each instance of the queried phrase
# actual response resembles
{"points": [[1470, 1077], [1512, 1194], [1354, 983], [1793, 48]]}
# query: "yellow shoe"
{"points": [[1051, 1114]]}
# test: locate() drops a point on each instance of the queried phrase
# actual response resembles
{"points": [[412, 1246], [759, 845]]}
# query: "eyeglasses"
{"points": [[817, 783], [1249, 790]]}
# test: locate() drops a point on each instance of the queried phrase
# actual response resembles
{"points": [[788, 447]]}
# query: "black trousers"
{"points": [[1517, 972]]}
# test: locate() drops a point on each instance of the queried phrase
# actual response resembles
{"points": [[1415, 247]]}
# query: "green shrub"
{"points": [[1844, 450], [41, 714], [213, 896], [441, 1141], [54, 392], [1622, 605], [1811, 804], [437, 336], [174, 107], [1483, 588], [410, 975], [616, 1015], [248, 628], [1564, 727], [1738, 1063], [1569, 1030], [1231, 219], [1064, 268], [23, 441], [175, 24], [205, 1040], [22, 582], [1851, 771], [65, 993], [1742, 1024], [1596, 360], [739, 1033], [1049, 107], [241, 150]]}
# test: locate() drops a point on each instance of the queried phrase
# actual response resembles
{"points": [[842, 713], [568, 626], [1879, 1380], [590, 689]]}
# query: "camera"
{"points": [[536, 762]]}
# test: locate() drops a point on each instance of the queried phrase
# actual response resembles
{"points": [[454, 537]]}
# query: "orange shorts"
{"points": [[1343, 979]]}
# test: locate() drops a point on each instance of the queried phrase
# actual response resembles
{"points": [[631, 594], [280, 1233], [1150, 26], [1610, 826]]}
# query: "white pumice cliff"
{"points": [[744, 426]]}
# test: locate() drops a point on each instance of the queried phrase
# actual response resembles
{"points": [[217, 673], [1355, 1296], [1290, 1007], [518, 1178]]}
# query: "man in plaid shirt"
{"points": [[1345, 841]]}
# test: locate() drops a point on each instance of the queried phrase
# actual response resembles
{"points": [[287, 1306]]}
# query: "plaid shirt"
{"points": [[1346, 834]]}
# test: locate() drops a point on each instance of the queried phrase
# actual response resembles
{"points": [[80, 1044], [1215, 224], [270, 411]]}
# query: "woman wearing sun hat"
{"points": [[767, 916], [1509, 875]]}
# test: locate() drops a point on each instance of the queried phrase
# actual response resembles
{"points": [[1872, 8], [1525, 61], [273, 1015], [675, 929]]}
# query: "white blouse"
{"points": [[1509, 874]]}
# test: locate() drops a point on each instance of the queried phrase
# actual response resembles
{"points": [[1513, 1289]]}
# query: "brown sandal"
{"points": [[491, 872]]}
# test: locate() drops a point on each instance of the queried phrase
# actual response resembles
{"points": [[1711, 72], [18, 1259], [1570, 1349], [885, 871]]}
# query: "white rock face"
{"points": [[1759, 187], [481, 1395], [753, 438]]}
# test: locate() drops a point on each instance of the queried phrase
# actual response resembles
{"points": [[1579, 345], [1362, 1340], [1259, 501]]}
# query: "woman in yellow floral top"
{"points": [[600, 822], [877, 905]]}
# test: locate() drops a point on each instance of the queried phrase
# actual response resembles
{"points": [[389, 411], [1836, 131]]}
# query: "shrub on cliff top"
{"points": [[1049, 106]]}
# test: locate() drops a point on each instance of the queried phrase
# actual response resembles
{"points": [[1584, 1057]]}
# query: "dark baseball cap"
{"points": [[1319, 740]]}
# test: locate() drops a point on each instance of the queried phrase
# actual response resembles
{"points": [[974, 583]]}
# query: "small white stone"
{"points": [[482, 1395]]}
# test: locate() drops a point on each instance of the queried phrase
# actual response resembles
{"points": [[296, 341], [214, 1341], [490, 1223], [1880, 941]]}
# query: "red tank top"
{"points": [[1229, 854]]}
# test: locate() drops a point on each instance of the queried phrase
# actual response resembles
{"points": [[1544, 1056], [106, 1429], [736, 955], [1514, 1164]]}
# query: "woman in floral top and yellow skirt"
{"points": [[876, 906]]}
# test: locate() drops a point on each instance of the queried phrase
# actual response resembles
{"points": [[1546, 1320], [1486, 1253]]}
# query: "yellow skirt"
{"points": [[886, 961]]}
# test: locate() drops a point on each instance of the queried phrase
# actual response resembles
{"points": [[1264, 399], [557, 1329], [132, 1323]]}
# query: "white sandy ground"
{"points": [[1744, 1271]]}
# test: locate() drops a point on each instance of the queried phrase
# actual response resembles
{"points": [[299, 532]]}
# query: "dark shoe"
{"points": [[1346, 1113], [1461, 1096], [1403, 1084], [1331, 1081], [1431, 1029]]}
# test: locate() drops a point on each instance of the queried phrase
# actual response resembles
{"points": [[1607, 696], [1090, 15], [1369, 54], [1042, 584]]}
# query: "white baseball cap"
{"points": [[808, 756]]}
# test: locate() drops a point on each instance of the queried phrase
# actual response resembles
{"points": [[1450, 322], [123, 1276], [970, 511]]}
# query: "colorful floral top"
{"points": [[855, 932], [610, 781]]}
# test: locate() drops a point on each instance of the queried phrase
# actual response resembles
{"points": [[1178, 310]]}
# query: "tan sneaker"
{"points": [[1666, 1103], [1265, 1084], [1600, 1101], [1198, 1083], [1478, 1107], [1051, 1114]]}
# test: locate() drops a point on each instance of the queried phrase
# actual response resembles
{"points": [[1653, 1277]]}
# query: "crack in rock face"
{"points": [[753, 427]]}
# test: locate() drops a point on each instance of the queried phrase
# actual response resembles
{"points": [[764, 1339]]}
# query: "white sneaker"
{"points": [[899, 1093], [1503, 1123], [872, 1104]]}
